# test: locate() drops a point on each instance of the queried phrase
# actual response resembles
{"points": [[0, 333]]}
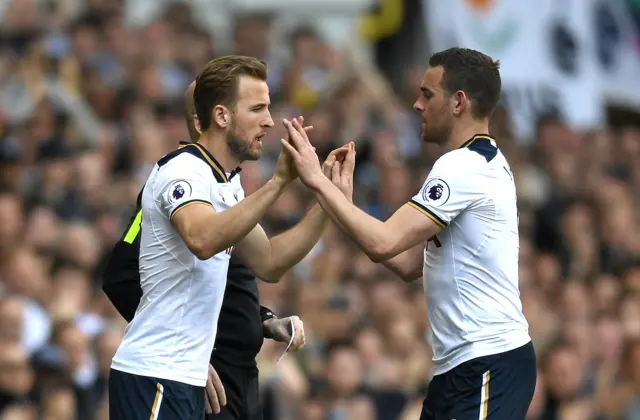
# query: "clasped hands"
{"points": [[298, 158]]}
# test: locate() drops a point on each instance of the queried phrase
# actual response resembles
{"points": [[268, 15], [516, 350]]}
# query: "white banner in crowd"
{"points": [[545, 49], [617, 28]]}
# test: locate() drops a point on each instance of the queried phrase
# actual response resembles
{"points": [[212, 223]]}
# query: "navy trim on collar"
{"points": [[215, 165], [483, 144]]}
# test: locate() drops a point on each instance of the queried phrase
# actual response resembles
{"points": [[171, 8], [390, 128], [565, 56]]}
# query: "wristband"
{"points": [[265, 315]]}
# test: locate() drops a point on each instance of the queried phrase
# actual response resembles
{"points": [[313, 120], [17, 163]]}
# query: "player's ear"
{"points": [[460, 102], [196, 124], [221, 116]]}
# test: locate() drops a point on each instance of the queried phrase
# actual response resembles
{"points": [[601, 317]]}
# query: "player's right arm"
{"points": [[205, 231], [449, 189], [409, 264]]}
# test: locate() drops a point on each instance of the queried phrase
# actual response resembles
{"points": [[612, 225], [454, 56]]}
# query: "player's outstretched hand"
{"points": [[342, 169], [214, 392], [285, 168], [336, 155], [303, 154], [280, 330]]}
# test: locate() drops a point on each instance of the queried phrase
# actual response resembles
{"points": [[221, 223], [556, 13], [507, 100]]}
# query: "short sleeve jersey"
{"points": [[174, 328], [471, 266]]}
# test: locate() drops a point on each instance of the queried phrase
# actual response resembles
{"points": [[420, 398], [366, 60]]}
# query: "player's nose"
{"points": [[417, 106], [268, 122]]}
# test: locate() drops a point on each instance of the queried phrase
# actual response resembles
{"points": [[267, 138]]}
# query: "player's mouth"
{"points": [[259, 138]]}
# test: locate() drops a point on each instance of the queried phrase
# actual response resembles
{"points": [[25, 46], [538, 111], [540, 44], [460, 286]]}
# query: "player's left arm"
{"points": [[270, 258]]}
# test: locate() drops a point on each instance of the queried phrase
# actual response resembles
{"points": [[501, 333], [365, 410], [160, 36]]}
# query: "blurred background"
{"points": [[91, 98]]}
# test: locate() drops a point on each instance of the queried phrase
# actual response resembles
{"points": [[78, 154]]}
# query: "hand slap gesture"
{"points": [[342, 169], [303, 154], [285, 169]]}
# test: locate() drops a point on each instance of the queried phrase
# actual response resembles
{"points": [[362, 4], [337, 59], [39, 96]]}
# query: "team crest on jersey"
{"points": [[179, 190], [436, 192]]}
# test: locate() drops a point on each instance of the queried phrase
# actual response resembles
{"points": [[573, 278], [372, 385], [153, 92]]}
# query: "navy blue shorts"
{"points": [[496, 387], [134, 397]]}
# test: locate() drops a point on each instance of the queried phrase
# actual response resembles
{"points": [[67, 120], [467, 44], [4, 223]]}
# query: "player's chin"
{"points": [[429, 137], [425, 134], [253, 154]]}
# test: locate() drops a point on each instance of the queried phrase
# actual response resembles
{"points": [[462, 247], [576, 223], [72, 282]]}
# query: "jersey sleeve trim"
{"points": [[431, 215], [187, 204]]}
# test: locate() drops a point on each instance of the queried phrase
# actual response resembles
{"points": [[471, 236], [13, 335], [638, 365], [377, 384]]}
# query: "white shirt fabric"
{"points": [[236, 186], [174, 328], [471, 267]]}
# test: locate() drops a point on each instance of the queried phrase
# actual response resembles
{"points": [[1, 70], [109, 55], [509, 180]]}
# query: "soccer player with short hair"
{"points": [[192, 220], [460, 231], [232, 388]]}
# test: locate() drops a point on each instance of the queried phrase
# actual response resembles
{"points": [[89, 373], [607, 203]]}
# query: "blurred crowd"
{"points": [[88, 105]]}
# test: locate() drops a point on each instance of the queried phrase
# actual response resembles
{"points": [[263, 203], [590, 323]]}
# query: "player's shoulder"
{"points": [[180, 173], [473, 156], [458, 162], [180, 160], [182, 165]]}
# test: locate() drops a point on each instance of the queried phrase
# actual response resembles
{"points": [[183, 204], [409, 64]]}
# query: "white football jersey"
{"points": [[471, 266], [174, 328], [236, 186]]}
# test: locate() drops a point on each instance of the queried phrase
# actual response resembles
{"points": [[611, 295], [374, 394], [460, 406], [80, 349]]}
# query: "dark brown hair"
{"points": [[472, 72]]}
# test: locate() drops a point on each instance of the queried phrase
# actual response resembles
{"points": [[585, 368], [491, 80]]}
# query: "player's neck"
{"points": [[217, 146], [463, 132]]}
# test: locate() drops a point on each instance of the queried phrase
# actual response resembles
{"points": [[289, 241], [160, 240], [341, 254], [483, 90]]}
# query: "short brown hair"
{"points": [[218, 83], [472, 72]]}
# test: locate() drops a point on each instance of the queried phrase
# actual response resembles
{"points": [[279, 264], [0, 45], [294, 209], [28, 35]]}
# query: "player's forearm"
{"points": [[324, 205], [368, 232], [290, 247], [407, 265], [228, 227]]}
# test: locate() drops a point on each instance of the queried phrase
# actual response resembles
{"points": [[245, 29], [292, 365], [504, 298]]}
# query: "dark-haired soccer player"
{"points": [[461, 233]]}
